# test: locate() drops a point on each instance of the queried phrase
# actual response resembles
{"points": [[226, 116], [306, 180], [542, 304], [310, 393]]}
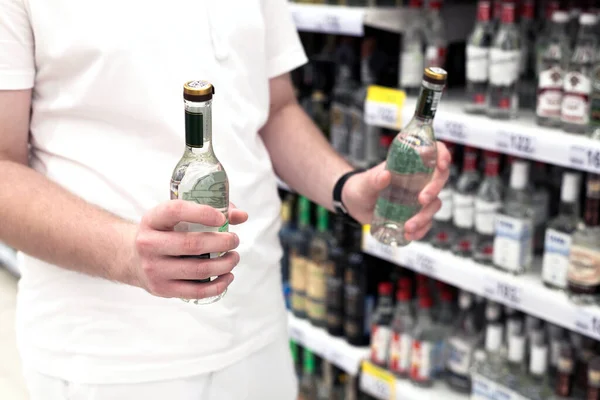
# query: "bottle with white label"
{"points": [[422, 358], [493, 368], [487, 202], [557, 244], [575, 107], [512, 376], [435, 33], [477, 59], [537, 383], [412, 54], [403, 323], [513, 247], [541, 198], [505, 58], [552, 63], [381, 331], [442, 231], [464, 204]]}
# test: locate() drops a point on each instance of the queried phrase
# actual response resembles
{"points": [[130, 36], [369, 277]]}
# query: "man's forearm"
{"points": [[44, 220], [301, 155]]}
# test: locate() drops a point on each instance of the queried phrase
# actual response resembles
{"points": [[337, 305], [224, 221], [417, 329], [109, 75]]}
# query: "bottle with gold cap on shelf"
{"points": [[411, 159], [199, 176]]}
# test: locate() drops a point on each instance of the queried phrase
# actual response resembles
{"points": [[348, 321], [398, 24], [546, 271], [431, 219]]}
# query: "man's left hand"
{"points": [[362, 190]]}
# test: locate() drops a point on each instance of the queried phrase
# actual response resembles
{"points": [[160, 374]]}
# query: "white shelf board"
{"points": [[335, 350], [525, 292], [520, 137], [8, 259], [439, 391]]}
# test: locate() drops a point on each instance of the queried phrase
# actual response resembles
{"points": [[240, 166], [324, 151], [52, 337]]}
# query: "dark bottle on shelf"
{"points": [[593, 381], [335, 277], [299, 258], [565, 369], [541, 199]]}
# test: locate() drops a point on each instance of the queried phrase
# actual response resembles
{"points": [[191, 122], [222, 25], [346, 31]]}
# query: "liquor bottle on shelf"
{"points": [[537, 386], [299, 256], [593, 381], [505, 55], [285, 237], [199, 176], [514, 368], [496, 15], [412, 52], [541, 199], [442, 232], [444, 323], [595, 102], [487, 202], [342, 94], [557, 244], [464, 204], [423, 345], [513, 246], [545, 32], [585, 351], [411, 160], [527, 75], [477, 59], [583, 275], [563, 387], [575, 13], [308, 383], [380, 325], [335, 278], [492, 369], [553, 58], [437, 45], [403, 323], [556, 338], [319, 262], [295, 350], [575, 108]]}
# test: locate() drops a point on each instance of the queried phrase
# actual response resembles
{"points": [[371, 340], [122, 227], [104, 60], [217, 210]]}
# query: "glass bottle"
{"points": [[593, 381], [411, 160], [308, 383], [464, 204], [537, 386], [424, 339], [199, 176], [437, 45], [356, 313], [380, 327], [553, 60], [285, 238], [557, 244], [412, 60], [444, 324], [442, 232], [515, 362], [583, 275], [316, 287], [335, 277], [299, 256], [541, 199], [477, 62], [494, 333], [545, 31], [563, 384], [505, 56], [556, 338], [575, 107], [513, 247], [403, 323], [487, 202]]}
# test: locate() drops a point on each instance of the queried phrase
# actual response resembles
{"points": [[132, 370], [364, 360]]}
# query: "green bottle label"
{"points": [[303, 211], [194, 129], [407, 154], [309, 361], [395, 212], [323, 219], [209, 190]]}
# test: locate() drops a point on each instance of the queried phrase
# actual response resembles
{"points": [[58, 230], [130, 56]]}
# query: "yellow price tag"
{"points": [[377, 382], [383, 106]]}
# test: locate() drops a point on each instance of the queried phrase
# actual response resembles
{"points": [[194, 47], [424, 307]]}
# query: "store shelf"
{"points": [[525, 292], [335, 350], [382, 385], [8, 260], [521, 137]]}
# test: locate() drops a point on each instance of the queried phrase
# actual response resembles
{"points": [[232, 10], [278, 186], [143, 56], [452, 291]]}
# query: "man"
{"points": [[91, 126]]}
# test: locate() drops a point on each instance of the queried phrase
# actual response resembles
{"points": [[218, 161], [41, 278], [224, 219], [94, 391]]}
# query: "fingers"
{"points": [[165, 216], [444, 157], [171, 268], [433, 188], [185, 243], [193, 290], [237, 217], [423, 218], [420, 233]]}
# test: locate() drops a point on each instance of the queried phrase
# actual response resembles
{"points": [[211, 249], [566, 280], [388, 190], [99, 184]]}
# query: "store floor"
{"points": [[12, 386]]}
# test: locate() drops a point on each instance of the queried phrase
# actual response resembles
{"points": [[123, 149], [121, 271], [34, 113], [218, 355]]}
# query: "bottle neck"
{"points": [[427, 103], [483, 11], [552, 6], [491, 166], [470, 161], [198, 125], [344, 73], [528, 11], [508, 14]]}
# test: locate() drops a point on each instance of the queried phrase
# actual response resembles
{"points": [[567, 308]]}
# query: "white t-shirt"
{"points": [[108, 125]]}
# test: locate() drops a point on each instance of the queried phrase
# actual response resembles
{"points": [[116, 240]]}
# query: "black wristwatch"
{"points": [[338, 204]]}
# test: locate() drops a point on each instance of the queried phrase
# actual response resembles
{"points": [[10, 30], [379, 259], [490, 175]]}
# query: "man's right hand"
{"points": [[162, 271]]}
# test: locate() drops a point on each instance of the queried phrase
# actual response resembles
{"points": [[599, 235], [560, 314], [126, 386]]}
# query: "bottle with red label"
{"points": [[381, 331], [487, 202], [505, 58], [477, 59], [402, 325], [423, 351], [437, 45], [575, 107], [553, 62]]}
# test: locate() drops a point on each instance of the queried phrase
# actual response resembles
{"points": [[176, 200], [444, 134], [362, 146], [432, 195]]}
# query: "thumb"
{"points": [[377, 178]]}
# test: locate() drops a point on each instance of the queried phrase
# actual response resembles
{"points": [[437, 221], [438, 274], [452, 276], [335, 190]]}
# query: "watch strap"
{"points": [[338, 204]]}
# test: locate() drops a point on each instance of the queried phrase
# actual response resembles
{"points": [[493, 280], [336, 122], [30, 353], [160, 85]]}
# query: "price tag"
{"points": [[516, 143], [377, 382], [581, 157], [587, 323], [383, 107], [453, 131], [375, 247], [503, 292], [425, 264]]}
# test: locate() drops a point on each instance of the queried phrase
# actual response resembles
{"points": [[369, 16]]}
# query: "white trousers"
{"points": [[268, 374]]}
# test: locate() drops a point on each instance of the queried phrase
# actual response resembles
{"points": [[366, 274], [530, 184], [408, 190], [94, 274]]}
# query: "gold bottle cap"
{"points": [[198, 91], [435, 75]]}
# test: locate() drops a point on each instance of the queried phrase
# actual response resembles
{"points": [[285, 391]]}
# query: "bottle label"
{"points": [[516, 348], [421, 361], [316, 284], [335, 292], [400, 347], [538, 359], [584, 266], [485, 214], [315, 309], [557, 246], [477, 63], [357, 146], [298, 274], [460, 355], [445, 212], [576, 98], [411, 68], [380, 343], [504, 66], [339, 128], [464, 210], [428, 102], [550, 92], [512, 243], [435, 56]]}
